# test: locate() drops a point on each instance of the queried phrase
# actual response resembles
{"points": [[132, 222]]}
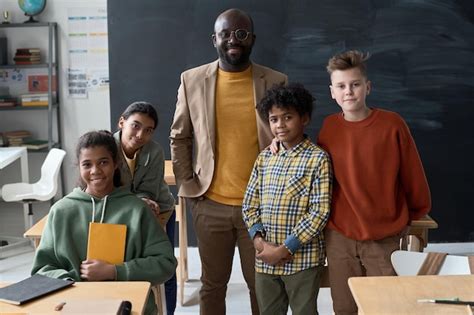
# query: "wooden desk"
{"points": [[182, 271], [134, 291], [399, 295], [169, 175], [35, 232], [418, 229]]}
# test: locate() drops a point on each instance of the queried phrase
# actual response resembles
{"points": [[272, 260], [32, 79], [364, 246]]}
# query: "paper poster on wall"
{"points": [[88, 47], [98, 79], [77, 83]]}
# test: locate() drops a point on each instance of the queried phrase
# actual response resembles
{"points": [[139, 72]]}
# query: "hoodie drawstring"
{"points": [[103, 209]]}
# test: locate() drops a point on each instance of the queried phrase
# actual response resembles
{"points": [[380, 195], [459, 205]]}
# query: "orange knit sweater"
{"points": [[380, 184]]}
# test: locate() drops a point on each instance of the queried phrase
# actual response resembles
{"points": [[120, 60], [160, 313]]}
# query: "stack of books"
{"points": [[34, 99], [17, 137], [27, 56], [7, 101], [34, 144]]}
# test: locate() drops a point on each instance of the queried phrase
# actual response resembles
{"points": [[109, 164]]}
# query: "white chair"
{"points": [[44, 189], [407, 263]]}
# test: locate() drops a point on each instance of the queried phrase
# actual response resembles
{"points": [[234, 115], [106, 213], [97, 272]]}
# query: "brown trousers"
{"points": [[219, 228], [350, 258]]}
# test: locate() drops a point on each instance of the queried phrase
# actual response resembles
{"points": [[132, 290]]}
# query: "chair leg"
{"points": [[30, 215], [160, 299]]}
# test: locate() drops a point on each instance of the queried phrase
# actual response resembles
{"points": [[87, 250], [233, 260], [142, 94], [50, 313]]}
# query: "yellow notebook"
{"points": [[107, 242]]}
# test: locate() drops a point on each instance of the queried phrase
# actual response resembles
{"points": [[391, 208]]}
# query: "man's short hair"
{"points": [[348, 60], [293, 95]]}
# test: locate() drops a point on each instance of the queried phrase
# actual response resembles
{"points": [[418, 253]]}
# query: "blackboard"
{"points": [[422, 66]]}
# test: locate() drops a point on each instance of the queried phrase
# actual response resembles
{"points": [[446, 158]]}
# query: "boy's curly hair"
{"points": [[293, 95]]}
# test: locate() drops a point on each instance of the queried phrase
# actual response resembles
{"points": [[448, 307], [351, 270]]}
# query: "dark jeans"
{"points": [[171, 284]]}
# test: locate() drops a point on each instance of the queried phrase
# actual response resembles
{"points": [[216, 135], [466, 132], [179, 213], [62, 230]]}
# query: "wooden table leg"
{"points": [[182, 273]]}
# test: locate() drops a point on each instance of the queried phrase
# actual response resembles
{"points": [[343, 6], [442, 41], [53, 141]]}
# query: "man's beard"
{"points": [[242, 59]]}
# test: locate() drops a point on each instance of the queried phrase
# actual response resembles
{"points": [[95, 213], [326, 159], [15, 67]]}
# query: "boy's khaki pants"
{"points": [[350, 258], [299, 290]]}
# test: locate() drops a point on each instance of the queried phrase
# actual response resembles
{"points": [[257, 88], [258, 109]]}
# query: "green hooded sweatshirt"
{"points": [[148, 252]]}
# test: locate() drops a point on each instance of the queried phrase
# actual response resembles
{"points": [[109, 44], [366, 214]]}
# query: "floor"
{"points": [[16, 266]]}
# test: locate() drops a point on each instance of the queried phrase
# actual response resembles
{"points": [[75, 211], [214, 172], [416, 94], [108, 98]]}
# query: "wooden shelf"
{"points": [[38, 24], [55, 105], [33, 66]]}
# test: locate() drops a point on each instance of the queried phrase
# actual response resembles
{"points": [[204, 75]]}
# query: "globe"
{"points": [[32, 8]]}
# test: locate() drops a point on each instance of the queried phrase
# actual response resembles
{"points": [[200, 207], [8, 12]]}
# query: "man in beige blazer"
{"points": [[215, 138]]}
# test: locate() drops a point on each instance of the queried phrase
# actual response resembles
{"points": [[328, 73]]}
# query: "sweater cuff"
{"points": [[292, 243], [256, 228], [121, 273]]}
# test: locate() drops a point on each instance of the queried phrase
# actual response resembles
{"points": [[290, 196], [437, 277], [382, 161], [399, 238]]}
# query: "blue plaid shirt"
{"points": [[287, 200]]}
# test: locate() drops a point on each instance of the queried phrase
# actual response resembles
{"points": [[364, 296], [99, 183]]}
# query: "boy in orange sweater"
{"points": [[379, 181]]}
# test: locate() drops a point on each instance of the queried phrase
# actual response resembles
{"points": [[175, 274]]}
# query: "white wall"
{"points": [[77, 115]]}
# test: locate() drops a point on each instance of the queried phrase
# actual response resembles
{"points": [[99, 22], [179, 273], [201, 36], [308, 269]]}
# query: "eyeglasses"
{"points": [[239, 34]]}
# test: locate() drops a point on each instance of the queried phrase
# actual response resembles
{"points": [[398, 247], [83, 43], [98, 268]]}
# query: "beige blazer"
{"points": [[192, 136]]}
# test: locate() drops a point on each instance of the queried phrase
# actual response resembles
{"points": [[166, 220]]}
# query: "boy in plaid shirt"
{"points": [[286, 206]]}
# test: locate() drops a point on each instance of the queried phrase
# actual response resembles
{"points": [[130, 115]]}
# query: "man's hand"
{"points": [[274, 255], [97, 270], [154, 206], [274, 146]]}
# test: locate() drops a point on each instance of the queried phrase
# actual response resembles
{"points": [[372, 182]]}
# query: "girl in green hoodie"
{"points": [[63, 248]]}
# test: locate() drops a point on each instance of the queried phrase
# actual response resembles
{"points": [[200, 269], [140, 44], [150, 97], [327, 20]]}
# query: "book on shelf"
{"points": [[17, 133], [32, 288], [35, 144], [34, 103], [28, 50], [34, 99], [31, 62], [15, 138], [30, 58], [27, 54], [31, 97], [7, 103]]}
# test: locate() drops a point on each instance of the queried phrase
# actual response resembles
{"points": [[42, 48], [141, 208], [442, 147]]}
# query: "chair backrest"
{"points": [[47, 186], [407, 263]]}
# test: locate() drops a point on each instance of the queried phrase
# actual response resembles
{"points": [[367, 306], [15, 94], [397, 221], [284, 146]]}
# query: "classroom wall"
{"points": [[77, 115]]}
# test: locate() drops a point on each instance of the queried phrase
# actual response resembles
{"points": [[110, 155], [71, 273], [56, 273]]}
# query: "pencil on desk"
{"points": [[447, 301]]}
